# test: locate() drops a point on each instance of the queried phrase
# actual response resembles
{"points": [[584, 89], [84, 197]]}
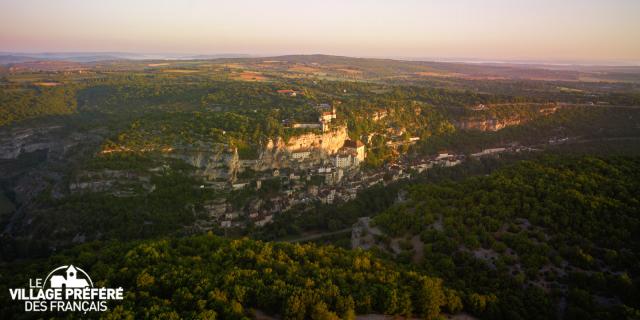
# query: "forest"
{"points": [[208, 277], [566, 225], [559, 231], [20, 103]]}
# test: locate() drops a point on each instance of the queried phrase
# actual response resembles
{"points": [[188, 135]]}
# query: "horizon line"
{"points": [[465, 60]]}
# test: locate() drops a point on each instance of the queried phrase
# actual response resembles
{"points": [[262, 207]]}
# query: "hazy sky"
{"points": [[575, 30]]}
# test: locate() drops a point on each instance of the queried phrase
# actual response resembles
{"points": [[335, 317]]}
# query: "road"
{"points": [[315, 236]]}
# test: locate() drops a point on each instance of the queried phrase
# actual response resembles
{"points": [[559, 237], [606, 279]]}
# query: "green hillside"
{"points": [[565, 227], [207, 277]]}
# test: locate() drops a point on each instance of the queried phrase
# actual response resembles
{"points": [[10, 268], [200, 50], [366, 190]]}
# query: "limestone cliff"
{"points": [[488, 124], [329, 141], [277, 153], [211, 163], [53, 139], [216, 163]]}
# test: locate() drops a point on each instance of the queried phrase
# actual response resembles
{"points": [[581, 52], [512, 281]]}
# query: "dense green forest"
{"points": [[560, 233], [566, 225], [369, 202], [25, 102], [207, 277]]}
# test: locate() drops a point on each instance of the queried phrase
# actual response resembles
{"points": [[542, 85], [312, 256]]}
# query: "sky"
{"points": [[495, 30]]}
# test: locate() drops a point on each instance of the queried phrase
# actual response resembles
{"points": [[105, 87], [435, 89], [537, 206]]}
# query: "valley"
{"points": [[432, 172]]}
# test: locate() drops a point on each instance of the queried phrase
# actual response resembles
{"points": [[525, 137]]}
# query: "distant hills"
{"points": [[84, 57], [352, 67]]}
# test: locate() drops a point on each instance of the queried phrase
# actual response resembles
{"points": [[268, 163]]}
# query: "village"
{"points": [[319, 163], [318, 171]]}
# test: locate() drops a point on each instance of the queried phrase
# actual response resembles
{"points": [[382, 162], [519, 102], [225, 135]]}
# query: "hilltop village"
{"points": [[319, 163], [322, 164]]}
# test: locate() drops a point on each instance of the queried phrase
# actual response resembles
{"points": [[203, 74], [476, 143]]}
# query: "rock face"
{"points": [[363, 235], [18, 141], [277, 153], [37, 159], [221, 163], [121, 182], [328, 142], [213, 164], [487, 124]]}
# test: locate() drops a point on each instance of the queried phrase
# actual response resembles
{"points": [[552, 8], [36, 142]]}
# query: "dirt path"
{"points": [[315, 236]]}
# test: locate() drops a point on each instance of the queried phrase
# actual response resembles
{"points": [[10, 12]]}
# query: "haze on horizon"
{"points": [[532, 30]]}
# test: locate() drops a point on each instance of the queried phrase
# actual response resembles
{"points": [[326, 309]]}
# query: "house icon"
{"points": [[71, 281]]}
